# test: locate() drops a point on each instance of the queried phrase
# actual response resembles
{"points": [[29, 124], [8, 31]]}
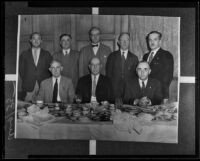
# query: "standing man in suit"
{"points": [[145, 89], [94, 87], [161, 62], [95, 49], [33, 67], [121, 65], [57, 88], [68, 57]]}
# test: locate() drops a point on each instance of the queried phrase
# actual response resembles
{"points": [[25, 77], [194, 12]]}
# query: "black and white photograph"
{"points": [[98, 77]]}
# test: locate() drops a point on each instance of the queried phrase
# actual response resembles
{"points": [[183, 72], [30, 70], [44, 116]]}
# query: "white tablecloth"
{"points": [[163, 131]]}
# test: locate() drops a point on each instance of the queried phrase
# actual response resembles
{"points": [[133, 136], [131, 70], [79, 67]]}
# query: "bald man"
{"points": [[143, 87], [94, 87]]}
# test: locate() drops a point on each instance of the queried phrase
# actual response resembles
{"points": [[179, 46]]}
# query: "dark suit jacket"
{"points": [[66, 90], [86, 54], [152, 91], [103, 89], [30, 73], [162, 68], [114, 69], [70, 64]]}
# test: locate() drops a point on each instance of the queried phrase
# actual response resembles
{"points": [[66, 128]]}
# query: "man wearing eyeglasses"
{"points": [[58, 88], [94, 49], [94, 87]]}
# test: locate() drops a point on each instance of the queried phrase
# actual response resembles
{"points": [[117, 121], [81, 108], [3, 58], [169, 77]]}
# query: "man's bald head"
{"points": [[95, 66]]}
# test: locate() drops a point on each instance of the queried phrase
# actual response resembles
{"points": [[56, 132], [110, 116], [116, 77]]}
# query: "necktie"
{"points": [[35, 57], [66, 52], [94, 86], [123, 62], [143, 88], [94, 45], [151, 57], [55, 92]]}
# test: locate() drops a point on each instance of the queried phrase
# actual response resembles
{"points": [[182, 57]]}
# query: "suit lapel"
{"points": [[89, 83], [118, 58], [31, 56], [147, 56], [138, 89], [128, 59], [61, 88], [156, 57], [99, 50], [40, 58], [148, 88], [99, 83], [91, 50], [50, 82]]}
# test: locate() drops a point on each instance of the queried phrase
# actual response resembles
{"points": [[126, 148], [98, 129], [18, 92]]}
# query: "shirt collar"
{"points": [[36, 49], [125, 54], [97, 76], [96, 44], [145, 82], [58, 79], [64, 51], [155, 51], [126, 51]]}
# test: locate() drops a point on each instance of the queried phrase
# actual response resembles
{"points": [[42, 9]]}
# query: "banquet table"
{"points": [[63, 128]]}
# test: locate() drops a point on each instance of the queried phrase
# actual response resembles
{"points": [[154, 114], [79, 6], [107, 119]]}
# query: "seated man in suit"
{"points": [[144, 88], [94, 87], [57, 88]]}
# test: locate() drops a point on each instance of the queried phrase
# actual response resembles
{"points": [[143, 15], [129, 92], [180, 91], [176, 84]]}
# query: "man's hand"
{"points": [[144, 101], [136, 101]]}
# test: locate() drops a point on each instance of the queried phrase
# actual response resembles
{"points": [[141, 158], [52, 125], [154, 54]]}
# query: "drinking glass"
{"points": [[118, 102]]}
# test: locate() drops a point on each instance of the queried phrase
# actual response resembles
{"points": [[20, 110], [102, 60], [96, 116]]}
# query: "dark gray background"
{"points": [[21, 148]]}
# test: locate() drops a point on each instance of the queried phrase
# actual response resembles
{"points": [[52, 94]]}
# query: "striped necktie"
{"points": [[151, 57]]}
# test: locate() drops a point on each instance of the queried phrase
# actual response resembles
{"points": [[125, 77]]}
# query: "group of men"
{"points": [[96, 74]]}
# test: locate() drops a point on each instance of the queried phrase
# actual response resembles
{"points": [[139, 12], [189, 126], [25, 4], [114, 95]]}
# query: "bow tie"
{"points": [[95, 45]]}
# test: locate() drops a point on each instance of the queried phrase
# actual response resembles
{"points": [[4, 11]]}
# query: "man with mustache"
{"points": [[161, 62]]}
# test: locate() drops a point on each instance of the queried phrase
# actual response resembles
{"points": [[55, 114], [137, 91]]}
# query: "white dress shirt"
{"points": [[145, 82], [58, 80], [93, 99], [96, 48], [125, 53], [37, 50], [154, 53], [64, 51]]}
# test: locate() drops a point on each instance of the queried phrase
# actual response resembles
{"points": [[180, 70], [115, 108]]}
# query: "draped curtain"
{"points": [[140, 26]]}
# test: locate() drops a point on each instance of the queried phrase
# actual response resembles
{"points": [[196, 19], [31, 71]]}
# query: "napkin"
{"points": [[126, 122]]}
